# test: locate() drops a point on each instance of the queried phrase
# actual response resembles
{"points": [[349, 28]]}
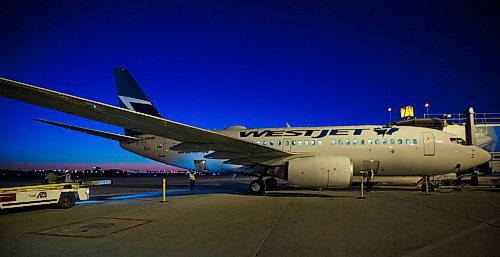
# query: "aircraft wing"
{"points": [[193, 139]]}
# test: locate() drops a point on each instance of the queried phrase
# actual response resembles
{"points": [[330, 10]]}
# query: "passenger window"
{"points": [[377, 141], [313, 142], [287, 142], [407, 141], [300, 142], [278, 142], [414, 141], [393, 141], [400, 141], [347, 142], [271, 142], [362, 141], [384, 141], [264, 142], [354, 141], [319, 142], [369, 141], [294, 142], [334, 142], [258, 142], [340, 141], [306, 142]]}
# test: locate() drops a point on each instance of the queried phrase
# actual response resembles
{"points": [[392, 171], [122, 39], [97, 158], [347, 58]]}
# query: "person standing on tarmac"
{"points": [[192, 180], [369, 179]]}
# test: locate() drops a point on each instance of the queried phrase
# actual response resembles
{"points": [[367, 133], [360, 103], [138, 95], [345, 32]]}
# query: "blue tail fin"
{"points": [[131, 96]]}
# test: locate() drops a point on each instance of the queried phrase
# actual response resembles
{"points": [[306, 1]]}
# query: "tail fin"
{"points": [[131, 96]]}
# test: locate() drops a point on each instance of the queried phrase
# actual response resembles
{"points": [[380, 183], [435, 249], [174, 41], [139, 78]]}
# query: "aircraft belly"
{"points": [[187, 161]]}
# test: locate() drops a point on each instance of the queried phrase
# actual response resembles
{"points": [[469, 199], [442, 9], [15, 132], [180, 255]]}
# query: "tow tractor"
{"points": [[62, 194]]}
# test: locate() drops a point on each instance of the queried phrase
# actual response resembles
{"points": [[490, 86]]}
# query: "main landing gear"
{"points": [[259, 186]]}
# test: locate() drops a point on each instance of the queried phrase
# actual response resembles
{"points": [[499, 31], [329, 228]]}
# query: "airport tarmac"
{"points": [[222, 219]]}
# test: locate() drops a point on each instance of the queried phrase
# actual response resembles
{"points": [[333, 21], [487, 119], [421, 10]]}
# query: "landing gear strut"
{"points": [[427, 186]]}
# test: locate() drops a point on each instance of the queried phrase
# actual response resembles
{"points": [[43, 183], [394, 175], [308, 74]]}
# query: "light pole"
{"points": [[427, 105]]}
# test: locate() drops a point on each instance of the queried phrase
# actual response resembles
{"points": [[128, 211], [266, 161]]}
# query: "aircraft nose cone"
{"points": [[481, 156]]}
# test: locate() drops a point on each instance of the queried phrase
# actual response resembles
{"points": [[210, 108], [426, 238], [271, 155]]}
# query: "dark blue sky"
{"points": [[259, 63]]}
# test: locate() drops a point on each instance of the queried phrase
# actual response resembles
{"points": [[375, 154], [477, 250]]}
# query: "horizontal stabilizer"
{"points": [[112, 136]]}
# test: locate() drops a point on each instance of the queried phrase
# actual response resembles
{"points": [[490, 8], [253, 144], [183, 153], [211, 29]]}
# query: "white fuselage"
{"points": [[396, 151]]}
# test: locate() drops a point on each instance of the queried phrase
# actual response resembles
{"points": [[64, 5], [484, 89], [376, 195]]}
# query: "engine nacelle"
{"points": [[321, 172]]}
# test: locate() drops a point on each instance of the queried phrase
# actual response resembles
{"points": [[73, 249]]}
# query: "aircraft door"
{"points": [[161, 147], [429, 144], [287, 144]]}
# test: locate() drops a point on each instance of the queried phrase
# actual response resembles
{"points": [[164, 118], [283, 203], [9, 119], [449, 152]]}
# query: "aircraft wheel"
{"points": [[271, 183], [66, 200], [257, 186]]}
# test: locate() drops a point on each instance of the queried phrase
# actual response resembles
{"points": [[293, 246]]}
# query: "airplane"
{"points": [[308, 157]]}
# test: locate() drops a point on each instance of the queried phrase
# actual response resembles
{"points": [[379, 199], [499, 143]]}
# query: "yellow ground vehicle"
{"points": [[62, 194]]}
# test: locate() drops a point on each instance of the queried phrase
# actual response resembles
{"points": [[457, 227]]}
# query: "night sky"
{"points": [[213, 64]]}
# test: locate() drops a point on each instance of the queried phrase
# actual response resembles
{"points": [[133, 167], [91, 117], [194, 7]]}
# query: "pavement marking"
{"points": [[272, 227], [94, 228]]}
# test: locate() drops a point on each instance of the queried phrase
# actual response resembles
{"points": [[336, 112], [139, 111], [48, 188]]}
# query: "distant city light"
{"points": [[389, 109]]}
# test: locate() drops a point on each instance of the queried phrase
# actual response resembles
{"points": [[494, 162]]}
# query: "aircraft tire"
{"points": [[271, 183], [257, 186]]}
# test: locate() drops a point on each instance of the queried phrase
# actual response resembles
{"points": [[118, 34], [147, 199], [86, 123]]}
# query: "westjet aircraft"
{"points": [[315, 157]]}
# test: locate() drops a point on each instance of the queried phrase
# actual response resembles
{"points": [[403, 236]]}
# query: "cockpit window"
{"points": [[458, 140]]}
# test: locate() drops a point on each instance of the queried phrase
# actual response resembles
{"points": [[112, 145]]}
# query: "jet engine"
{"points": [[320, 172]]}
